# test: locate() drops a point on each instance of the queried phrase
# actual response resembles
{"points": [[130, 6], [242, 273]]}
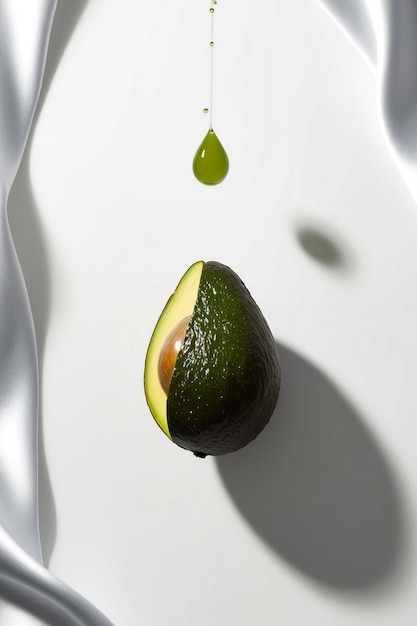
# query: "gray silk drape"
{"points": [[385, 31], [30, 595]]}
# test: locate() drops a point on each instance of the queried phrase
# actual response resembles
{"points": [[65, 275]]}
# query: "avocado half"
{"points": [[226, 376]]}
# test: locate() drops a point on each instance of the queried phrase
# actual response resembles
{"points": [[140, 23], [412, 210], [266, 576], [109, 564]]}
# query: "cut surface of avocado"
{"points": [[179, 306]]}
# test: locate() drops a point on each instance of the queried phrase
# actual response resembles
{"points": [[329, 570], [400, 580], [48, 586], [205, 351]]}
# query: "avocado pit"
{"points": [[169, 353]]}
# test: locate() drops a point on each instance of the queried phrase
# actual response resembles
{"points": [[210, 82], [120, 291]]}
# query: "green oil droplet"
{"points": [[211, 163], [211, 10], [211, 44], [205, 110]]}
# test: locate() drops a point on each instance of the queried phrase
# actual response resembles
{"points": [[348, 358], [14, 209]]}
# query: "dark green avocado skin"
{"points": [[227, 375]]}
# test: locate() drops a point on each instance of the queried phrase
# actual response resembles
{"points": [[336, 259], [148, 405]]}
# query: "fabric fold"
{"points": [[29, 594], [385, 32]]}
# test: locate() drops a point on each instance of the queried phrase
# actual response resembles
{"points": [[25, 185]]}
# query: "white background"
{"points": [[315, 521]]}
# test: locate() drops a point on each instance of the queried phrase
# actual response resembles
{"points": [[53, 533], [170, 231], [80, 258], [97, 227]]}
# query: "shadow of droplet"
{"points": [[316, 486], [28, 236], [320, 247]]}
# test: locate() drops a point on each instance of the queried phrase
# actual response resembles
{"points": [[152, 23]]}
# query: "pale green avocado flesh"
{"points": [[180, 305], [227, 376]]}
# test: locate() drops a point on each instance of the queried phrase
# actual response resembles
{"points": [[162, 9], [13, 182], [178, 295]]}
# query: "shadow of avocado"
{"points": [[28, 236], [316, 487]]}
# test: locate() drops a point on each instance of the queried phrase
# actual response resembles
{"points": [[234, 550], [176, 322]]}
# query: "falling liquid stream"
{"points": [[211, 163]]}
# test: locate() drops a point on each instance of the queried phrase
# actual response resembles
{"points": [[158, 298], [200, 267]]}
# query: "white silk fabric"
{"points": [[29, 594], [385, 31]]}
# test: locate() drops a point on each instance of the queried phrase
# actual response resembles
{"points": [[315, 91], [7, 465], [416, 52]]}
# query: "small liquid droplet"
{"points": [[211, 10], [205, 110], [211, 44], [211, 163]]}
